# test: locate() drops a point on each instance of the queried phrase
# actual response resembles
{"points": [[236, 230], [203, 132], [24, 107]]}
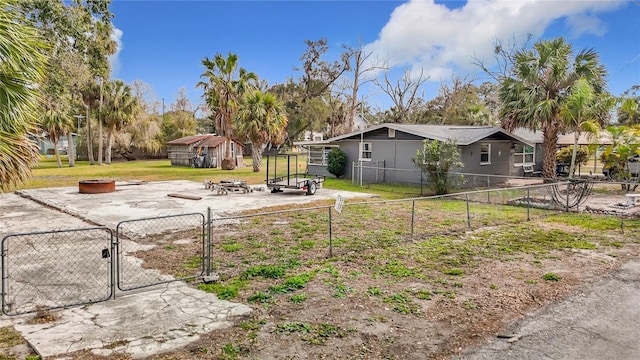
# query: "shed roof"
{"points": [[209, 140], [189, 140]]}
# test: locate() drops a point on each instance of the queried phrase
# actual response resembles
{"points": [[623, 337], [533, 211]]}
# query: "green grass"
{"points": [[310, 333], [47, 174], [551, 277], [292, 283]]}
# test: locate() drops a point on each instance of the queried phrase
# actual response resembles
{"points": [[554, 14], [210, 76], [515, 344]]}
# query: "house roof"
{"points": [[462, 135], [209, 140], [585, 139], [532, 137], [536, 137]]}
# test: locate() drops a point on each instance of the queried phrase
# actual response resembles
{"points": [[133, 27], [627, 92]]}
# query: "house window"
{"points": [[318, 155], [365, 151], [392, 133], [523, 154], [485, 154]]}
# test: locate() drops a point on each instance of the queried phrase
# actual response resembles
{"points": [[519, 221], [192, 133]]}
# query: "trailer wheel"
{"points": [[311, 187]]}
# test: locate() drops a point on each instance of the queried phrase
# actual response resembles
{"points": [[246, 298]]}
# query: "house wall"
{"points": [[501, 161], [397, 158]]}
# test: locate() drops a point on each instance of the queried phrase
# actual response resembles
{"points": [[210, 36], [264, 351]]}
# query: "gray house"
{"points": [[384, 151]]}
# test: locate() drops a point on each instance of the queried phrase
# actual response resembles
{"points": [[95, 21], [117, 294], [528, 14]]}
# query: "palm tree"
{"points": [[120, 107], [225, 84], [21, 69], [533, 95], [261, 119], [583, 111], [57, 124]]}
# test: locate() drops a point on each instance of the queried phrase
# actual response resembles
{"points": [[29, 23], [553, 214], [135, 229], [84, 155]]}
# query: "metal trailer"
{"points": [[300, 181]]}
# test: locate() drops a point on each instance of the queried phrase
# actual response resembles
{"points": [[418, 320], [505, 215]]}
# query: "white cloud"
{"points": [[442, 41], [114, 59]]}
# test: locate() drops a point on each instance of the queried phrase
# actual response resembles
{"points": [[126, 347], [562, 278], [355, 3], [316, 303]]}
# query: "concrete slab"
{"points": [[142, 322], [152, 200]]}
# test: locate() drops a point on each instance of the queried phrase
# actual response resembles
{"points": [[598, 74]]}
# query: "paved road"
{"points": [[602, 321]]}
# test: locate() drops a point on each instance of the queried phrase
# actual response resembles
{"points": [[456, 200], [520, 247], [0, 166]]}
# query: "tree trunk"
{"points": [[71, 153], [108, 150], [574, 153], [57, 152], [549, 143], [228, 154], [100, 142], [89, 143], [100, 145], [256, 155]]}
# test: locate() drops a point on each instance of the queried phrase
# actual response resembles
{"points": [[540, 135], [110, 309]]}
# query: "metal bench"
{"points": [[528, 171]]}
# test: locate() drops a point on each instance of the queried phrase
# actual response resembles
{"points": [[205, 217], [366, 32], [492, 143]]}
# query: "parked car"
{"points": [[633, 167]]}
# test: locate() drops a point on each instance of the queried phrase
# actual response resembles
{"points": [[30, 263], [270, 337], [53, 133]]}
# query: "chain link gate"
{"points": [[145, 234], [56, 269]]}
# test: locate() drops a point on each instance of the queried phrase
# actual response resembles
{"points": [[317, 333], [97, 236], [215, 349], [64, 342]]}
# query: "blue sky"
{"points": [[162, 43]]}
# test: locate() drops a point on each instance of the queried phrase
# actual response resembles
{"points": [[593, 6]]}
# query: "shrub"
{"points": [[438, 159], [564, 155], [337, 162]]}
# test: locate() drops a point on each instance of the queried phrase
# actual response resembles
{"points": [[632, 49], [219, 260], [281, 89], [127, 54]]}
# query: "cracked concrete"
{"points": [[600, 322], [147, 322], [141, 322]]}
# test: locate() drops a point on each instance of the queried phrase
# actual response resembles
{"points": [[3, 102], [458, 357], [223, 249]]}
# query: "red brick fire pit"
{"points": [[96, 186]]}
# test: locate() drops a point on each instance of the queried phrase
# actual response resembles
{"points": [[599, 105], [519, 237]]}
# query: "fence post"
{"points": [[330, 234], [353, 173], [466, 196], [413, 216], [113, 259], [528, 205], [208, 244], [488, 190], [567, 203]]}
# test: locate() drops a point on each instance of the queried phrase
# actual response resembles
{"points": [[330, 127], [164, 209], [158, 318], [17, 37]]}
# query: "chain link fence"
{"points": [[135, 237], [44, 270], [242, 244], [55, 269]]}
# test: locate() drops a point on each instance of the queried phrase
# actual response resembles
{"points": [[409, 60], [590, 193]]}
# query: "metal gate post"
{"points": [[208, 244], [114, 263]]}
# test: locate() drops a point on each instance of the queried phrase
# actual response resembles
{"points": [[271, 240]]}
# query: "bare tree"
{"points": [[318, 75], [403, 93], [503, 58], [359, 59], [146, 98], [182, 102]]}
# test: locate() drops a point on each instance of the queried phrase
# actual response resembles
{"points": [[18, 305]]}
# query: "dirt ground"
{"points": [[352, 310], [363, 327]]}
